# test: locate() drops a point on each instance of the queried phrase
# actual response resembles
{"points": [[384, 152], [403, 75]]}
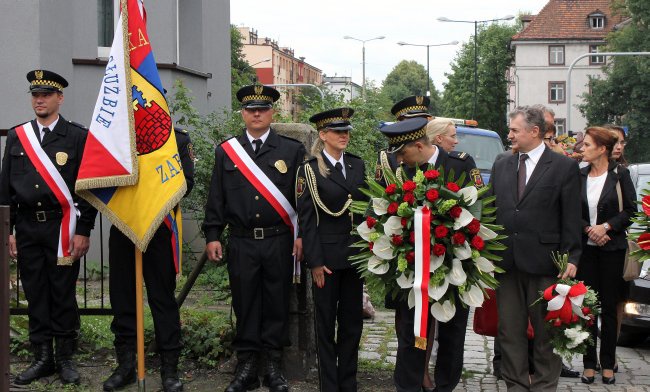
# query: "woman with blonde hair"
{"points": [[442, 132]]}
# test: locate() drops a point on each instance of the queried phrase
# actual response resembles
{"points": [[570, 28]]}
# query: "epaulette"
{"points": [[181, 130], [459, 155], [347, 154], [78, 125]]}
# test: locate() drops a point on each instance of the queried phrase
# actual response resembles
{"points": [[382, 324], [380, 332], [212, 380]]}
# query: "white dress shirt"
{"points": [[334, 161], [50, 127], [533, 157]]}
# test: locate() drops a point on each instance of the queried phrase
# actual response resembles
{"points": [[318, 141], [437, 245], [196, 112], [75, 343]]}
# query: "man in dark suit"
{"points": [[261, 246], [536, 203], [408, 142], [48, 277]]}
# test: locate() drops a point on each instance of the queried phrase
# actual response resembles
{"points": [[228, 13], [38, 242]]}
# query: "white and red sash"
{"points": [[267, 188], [422, 228], [44, 166]]}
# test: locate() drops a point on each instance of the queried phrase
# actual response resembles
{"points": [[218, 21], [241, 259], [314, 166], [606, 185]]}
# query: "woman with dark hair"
{"points": [[619, 149], [608, 198]]}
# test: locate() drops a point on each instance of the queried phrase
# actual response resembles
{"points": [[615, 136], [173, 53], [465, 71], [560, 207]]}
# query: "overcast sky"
{"points": [[315, 30]]}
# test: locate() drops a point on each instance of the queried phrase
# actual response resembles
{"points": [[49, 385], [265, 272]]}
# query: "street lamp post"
{"points": [[475, 22], [251, 66], [401, 43], [363, 60]]}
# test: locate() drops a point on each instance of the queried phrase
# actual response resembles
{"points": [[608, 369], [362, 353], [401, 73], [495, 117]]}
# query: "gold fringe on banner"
{"points": [[421, 343], [65, 261]]}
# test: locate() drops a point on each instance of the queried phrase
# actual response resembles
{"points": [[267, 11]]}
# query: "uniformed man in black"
{"points": [[325, 187], [261, 247], [36, 216], [408, 142], [159, 270]]}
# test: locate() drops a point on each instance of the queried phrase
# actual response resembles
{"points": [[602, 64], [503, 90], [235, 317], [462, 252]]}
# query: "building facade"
{"points": [[342, 85], [546, 47], [278, 65]]}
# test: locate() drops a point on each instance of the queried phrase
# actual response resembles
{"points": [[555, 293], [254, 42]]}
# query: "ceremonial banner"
{"points": [[131, 170], [422, 229]]}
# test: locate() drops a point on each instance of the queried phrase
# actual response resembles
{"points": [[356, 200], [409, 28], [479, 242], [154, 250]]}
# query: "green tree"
{"points": [[622, 96], [410, 78], [241, 73], [494, 58]]}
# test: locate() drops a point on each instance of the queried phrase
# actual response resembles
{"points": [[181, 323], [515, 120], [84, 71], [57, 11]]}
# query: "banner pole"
{"points": [[139, 311]]}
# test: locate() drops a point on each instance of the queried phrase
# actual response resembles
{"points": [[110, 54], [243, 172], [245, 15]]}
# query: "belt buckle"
{"points": [[258, 233], [40, 216]]}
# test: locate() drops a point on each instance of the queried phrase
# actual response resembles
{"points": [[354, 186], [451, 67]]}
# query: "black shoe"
{"points": [[169, 371], [428, 389], [615, 368], [587, 380], [246, 376], [566, 372], [125, 373], [274, 379], [42, 366], [609, 380], [65, 366]]}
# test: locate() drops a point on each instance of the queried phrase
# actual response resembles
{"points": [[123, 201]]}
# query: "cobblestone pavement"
{"points": [[379, 346]]}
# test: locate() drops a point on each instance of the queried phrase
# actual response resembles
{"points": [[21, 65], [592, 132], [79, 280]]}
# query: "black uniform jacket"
{"points": [[186, 152], [326, 238], [608, 208], [23, 188], [233, 200], [545, 220]]}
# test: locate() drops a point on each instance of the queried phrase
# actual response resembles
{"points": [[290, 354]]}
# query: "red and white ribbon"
{"points": [[422, 226], [57, 185], [266, 188], [567, 303]]}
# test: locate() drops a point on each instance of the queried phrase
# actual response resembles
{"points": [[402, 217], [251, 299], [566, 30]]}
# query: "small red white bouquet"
{"points": [[572, 310], [427, 240]]}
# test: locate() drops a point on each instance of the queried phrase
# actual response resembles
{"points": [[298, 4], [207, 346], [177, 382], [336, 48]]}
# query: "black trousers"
{"points": [[160, 279], [260, 273], [410, 364], [602, 271], [340, 302], [49, 288]]}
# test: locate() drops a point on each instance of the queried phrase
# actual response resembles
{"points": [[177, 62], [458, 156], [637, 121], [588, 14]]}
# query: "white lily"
{"points": [[577, 335], [457, 275], [436, 292], [473, 297], [443, 312], [364, 231], [486, 234], [393, 226], [484, 265], [463, 252], [435, 262], [470, 194], [377, 266], [382, 248], [406, 281], [464, 219], [379, 205], [411, 299]]}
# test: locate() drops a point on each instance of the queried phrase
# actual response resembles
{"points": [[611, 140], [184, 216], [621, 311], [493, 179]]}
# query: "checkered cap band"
{"points": [[37, 83], [407, 137], [402, 112]]}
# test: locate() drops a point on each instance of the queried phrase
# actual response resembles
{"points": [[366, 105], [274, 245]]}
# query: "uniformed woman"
{"points": [[325, 187]]}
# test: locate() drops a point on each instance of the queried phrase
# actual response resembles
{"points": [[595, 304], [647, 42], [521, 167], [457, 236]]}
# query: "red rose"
{"points": [[458, 238], [409, 197], [477, 242], [586, 310], [412, 237], [392, 208], [390, 189], [405, 222], [590, 323], [574, 318], [439, 249], [474, 226], [431, 174], [440, 231], [397, 240], [370, 221], [432, 195], [408, 186], [455, 212], [370, 245], [557, 322], [452, 186], [410, 257]]}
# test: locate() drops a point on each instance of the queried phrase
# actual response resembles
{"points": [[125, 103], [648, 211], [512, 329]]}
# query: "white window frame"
{"points": [[556, 87], [105, 51], [555, 51]]}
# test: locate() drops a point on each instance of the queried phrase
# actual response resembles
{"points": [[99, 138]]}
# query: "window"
{"points": [[560, 126], [105, 23], [597, 21], [556, 92], [556, 55], [595, 60]]}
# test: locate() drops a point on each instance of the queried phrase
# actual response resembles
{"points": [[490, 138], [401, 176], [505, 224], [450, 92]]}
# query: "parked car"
{"points": [[635, 328]]}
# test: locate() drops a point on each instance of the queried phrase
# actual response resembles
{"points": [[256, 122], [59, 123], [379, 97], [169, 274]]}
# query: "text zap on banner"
{"points": [[131, 170]]}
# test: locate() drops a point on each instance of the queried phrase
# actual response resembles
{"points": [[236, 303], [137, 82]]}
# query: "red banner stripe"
{"points": [[426, 264]]}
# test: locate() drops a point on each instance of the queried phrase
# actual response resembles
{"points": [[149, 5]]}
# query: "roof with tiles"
{"points": [[569, 19]]}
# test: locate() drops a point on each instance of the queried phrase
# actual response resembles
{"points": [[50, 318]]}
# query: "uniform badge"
{"points": [[258, 89], [378, 172], [300, 186], [281, 166], [38, 74], [475, 175], [190, 151], [419, 100], [61, 158]]}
